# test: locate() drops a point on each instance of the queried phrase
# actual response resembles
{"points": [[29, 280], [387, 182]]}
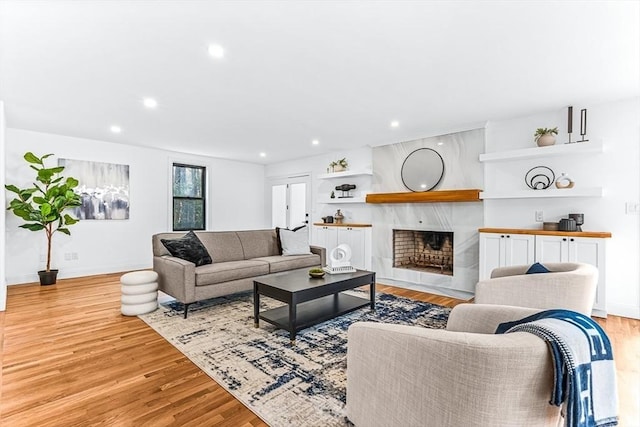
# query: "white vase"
{"points": [[564, 181], [546, 139], [338, 168]]}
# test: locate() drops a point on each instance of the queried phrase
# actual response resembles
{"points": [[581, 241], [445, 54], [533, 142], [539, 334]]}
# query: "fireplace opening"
{"points": [[430, 251]]}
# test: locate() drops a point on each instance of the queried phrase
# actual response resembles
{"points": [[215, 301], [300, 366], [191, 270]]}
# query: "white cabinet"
{"points": [[576, 249], [503, 250], [325, 236], [358, 238]]}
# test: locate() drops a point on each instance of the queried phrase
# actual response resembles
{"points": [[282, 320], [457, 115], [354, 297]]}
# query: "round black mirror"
{"points": [[422, 170]]}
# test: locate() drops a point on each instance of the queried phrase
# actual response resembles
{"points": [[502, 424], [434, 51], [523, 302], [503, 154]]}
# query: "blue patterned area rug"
{"points": [[301, 385]]}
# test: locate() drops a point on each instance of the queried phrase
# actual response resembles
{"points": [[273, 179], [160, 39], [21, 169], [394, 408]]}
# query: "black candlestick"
{"points": [[570, 122], [583, 124]]}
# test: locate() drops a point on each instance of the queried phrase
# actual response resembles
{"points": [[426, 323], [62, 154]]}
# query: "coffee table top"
{"points": [[299, 280]]}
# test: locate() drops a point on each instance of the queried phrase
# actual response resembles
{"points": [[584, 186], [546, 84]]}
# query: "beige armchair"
{"points": [[570, 286], [462, 376]]}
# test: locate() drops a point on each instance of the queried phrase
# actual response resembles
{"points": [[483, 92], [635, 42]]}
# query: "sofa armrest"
{"points": [[484, 318], [319, 250], [411, 376], [176, 277]]}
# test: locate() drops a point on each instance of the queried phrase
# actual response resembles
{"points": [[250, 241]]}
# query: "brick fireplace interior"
{"points": [[430, 251]]}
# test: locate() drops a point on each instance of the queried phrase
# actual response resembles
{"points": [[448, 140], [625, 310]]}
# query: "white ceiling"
{"points": [[295, 71]]}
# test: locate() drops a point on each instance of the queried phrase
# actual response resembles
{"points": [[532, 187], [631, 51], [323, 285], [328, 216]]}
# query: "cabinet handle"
{"points": [[508, 236], [502, 237], [572, 239], [564, 239]]}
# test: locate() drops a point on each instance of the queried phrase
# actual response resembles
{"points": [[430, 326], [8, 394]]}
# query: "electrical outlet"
{"points": [[539, 216], [632, 208]]}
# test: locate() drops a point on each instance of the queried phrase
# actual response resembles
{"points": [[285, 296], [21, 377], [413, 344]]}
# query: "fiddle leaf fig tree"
{"points": [[42, 205]]}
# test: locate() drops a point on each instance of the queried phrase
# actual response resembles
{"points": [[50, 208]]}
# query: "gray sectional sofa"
{"points": [[238, 257]]}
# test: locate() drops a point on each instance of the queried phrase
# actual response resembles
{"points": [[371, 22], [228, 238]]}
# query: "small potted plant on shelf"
{"points": [[339, 165], [42, 205], [545, 137]]}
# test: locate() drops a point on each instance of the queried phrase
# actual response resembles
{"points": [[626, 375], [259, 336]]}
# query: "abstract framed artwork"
{"points": [[103, 188]]}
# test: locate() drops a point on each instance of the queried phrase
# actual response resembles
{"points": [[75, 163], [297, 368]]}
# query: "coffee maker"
{"points": [[579, 219]]}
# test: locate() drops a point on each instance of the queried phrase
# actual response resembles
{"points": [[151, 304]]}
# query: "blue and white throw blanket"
{"points": [[584, 372]]}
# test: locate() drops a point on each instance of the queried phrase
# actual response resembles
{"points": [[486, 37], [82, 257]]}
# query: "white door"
{"points": [[290, 201]]}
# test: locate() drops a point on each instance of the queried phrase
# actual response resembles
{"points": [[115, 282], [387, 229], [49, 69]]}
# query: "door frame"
{"points": [[296, 178]]}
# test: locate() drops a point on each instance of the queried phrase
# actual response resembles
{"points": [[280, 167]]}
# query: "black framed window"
{"points": [[188, 197]]}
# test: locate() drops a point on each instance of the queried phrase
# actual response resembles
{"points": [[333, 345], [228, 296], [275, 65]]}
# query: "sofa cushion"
{"points": [[222, 245], [295, 242], [188, 248], [279, 263], [279, 240], [230, 270], [258, 243]]}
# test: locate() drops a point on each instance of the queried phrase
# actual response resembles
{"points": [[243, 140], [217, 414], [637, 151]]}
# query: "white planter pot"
{"points": [[546, 139]]}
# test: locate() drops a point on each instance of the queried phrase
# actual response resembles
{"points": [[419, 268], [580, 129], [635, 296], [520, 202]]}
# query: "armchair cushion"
{"points": [[537, 268]]}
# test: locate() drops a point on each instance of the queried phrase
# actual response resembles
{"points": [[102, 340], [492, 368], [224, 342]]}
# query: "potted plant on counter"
{"points": [[42, 205]]}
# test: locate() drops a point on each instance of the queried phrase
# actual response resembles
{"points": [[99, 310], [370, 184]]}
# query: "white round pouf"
{"points": [[139, 292]]}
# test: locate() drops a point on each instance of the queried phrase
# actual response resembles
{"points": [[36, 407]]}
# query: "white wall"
{"points": [[235, 201], [3, 279], [617, 125]]}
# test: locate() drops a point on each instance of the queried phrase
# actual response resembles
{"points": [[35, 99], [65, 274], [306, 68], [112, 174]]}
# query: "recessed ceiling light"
{"points": [[263, 154], [395, 124], [315, 142], [150, 103], [116, 129], [216, 51]]}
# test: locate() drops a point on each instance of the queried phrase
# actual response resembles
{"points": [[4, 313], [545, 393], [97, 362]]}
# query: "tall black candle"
{"points": [[570, 120]]}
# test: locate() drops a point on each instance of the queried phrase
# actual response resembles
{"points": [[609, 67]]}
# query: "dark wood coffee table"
{"points": [[310, 301]]}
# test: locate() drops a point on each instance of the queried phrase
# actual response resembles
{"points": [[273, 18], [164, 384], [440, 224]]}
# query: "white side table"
{"points": [[139, 292]]}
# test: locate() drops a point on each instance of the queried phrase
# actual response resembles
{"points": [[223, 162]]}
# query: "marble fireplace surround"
{"points": [[460, 152]]}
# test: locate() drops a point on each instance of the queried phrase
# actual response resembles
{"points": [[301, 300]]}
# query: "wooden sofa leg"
{"points": [[186, 307]]}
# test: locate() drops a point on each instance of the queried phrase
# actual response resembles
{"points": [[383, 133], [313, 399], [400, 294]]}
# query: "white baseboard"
{"points": [[624, 310], [68, 273]]}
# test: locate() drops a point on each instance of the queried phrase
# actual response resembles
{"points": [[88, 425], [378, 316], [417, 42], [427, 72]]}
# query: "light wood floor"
{"points": [[69, 358]]}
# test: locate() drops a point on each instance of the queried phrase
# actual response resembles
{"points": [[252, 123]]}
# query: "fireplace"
{"points": [[430, 251]]}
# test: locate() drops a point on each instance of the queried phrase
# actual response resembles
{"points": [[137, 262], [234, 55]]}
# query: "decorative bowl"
{"points": [[316, 274]]}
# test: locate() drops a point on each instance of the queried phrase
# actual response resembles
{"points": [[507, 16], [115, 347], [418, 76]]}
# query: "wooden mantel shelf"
{"points": [[439, 196]]}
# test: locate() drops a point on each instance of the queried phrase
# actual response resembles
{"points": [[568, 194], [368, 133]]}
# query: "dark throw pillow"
{"points": [[189, 248], [537, 268], [279, 241]]}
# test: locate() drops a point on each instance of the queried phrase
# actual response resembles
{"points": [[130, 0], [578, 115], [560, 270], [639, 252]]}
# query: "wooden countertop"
{"points": [[344, 224], [600, 234]]}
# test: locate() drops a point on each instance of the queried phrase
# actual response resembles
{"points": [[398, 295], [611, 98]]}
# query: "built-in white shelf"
{"points": [[549, 192], [549, 151], [344, 200], [344, 174]]}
